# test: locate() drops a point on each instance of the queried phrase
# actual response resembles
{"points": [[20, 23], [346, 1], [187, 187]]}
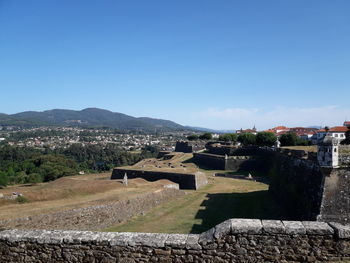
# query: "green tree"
{"points": [[206, 136], [303, 142], [247, 139], [11, 172], [266, 139], [289, 139], [228, 137], [34, 178], [192, 137], [4, 180]]}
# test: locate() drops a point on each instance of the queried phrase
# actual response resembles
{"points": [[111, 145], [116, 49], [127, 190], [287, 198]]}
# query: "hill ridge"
{"points": [[92, 117]]}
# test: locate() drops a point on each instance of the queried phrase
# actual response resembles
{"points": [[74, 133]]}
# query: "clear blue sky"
{"points": [[218, 64]]}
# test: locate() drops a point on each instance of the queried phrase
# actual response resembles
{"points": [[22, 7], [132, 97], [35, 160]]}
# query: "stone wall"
{"points": [[95, 217], [297, 184], [335, 204], [220, 162], [308, 191], [220, 149], [185, 181], [189, 147], [344, 155], [235, 240]]}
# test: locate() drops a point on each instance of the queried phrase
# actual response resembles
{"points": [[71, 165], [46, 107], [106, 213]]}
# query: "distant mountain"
{"points": [[90, 117]]}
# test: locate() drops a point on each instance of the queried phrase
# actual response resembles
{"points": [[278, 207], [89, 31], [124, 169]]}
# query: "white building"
{"points": [[328, 151], [337, 132]]}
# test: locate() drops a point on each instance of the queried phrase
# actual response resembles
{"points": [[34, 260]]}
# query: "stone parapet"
{"points": [[234, 240]]}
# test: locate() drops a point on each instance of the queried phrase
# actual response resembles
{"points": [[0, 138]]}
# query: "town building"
{"points": [[253, 131], [337, 132]]}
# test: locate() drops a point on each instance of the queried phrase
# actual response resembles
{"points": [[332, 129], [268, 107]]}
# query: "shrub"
{"points": [[21, 199]]}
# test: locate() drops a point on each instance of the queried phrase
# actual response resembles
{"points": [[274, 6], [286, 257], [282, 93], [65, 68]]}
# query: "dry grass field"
{"points": [[178, 163], [71, 192], [195, 212], [311, 148], [198, 211]]}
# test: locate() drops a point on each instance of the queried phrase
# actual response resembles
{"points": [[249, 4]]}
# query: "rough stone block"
{"points": [[207, 236], [5, 235], [317, 228], [192, 242], [176, 240], [46, 237], [341, 231], [246, 226], [273, 226], [223, 229], [294, 227], [120, 239], [147, 239]]}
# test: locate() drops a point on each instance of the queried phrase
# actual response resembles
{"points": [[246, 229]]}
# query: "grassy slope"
{"points": [[71, 192], [200, 210], [312, 148]]}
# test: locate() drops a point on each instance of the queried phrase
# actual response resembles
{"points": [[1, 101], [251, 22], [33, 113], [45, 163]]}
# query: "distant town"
{"points": [[63, 137]]}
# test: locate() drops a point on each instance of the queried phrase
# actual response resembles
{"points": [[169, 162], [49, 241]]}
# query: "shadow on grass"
{"points": [[220, 207], [188, 160]]}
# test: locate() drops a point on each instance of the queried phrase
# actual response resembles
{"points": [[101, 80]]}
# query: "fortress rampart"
{"points": [[95, 217], [309, 191], [185, 180], [188, 147], [297, 184], [220, 162], [344, 155], [235, 240]]}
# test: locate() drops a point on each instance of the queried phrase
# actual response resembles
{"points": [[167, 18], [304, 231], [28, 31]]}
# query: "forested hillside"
{"points": [[90, 117], [28, 165]]}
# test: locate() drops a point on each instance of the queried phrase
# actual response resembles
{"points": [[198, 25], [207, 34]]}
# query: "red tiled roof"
{"points": [[335, 129], [282, 132], [280, 128], [338, 129]]}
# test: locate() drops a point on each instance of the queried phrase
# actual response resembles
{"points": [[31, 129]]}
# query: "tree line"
{"points": [[261, 138], [29, 165]]}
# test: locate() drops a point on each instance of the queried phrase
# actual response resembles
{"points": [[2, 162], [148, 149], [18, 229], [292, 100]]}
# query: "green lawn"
{"points": [[198, 211]]}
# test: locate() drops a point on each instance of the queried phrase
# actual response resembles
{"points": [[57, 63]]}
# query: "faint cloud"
{"points": [[236, 118]]}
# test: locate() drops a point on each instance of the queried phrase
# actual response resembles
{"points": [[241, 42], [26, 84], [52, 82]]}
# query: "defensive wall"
{"points": [[335, 205], [307, 190], [220, 148], [188, 147], [95, 217], [344, 155], [235, 240], [161, 154], [297, 184], [220, 162], [192, 181]]}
